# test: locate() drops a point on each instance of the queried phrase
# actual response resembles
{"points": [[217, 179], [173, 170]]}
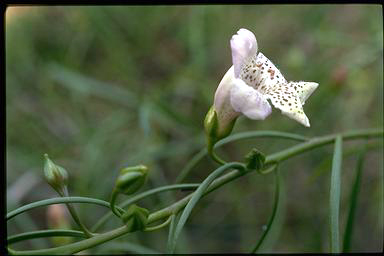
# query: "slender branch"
{"points": [[222, 180], [164, 224], [59, 200], [44, 233], [239, 136], [78, 246], [138, 197], [75, 216]]}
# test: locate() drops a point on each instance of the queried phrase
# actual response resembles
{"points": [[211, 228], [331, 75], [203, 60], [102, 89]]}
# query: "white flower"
{"points": [[252, 81]]}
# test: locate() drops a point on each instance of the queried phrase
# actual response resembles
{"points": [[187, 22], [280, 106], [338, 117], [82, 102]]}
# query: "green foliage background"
{"points": [[101, 88]]}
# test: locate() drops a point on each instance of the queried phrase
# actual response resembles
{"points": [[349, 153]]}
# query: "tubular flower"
{"points": [[251, 82]]}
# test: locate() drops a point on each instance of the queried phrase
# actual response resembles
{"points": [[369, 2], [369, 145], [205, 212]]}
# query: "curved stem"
{"points": [[196, 197], [271, 159], [216, 157], [75, 216], [239, 136], [222, 180], [78, 246], [164, 224], [113, 201], [273, 215], [138, 197], [44, 233], [59, 200]]}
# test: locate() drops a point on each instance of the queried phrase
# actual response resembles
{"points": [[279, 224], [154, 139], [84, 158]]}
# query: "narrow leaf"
{"points": [[353, 202], [334, 199]]}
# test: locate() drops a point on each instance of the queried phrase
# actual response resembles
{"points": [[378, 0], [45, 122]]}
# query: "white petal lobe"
{"points": [[243, 47], [248, 101], [303, 89], [286, 99]]}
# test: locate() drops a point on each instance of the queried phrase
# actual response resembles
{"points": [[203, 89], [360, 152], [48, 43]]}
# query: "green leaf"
{"points": [[334, 199], [353, 202], [274, 211]]}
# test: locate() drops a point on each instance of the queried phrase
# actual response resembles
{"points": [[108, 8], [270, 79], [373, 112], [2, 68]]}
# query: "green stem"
{"points": [[222, 180], [78, 246], [59, 200], [274, 211], [196, 197], [138, 197], [44, 233], [113, 201], [216, 157], [75, 216], [164, 224], [239, 136], [321, 141]]}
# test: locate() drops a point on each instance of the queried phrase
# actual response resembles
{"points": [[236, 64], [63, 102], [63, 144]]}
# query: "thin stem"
{"points": [[196, 197], [44, 233], [113, 201], [216, 158], [239, 136], [222, 180], [75, 216], [274, 211], [138, 197], [78, 246], [164, 224], [271, 159], [59, 200]]}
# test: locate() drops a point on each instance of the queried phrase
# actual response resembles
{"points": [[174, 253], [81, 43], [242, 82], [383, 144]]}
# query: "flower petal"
{"points": [[248, 101], [244, 47], [303, 89], [287, 100]]}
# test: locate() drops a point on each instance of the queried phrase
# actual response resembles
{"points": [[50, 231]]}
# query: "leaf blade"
{"points": [[334, 199]]}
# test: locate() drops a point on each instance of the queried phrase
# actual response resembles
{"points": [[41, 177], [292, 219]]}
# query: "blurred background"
{"points": [[101, 88]]}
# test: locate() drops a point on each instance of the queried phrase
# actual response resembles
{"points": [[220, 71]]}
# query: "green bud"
{"points": [[215, 129], [131, 179], [55, 175], [255, 159], [135, 218]]}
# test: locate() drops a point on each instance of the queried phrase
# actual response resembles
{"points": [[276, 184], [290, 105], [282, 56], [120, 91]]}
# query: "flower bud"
{"points": [[55, 175], [255, 159], [135, 218], [131, 179], [215, 130]]}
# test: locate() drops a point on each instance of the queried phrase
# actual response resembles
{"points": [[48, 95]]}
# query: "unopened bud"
{"points": [[55, 175], [131, 179], [255, 159], [135, 218], [216, 130]]}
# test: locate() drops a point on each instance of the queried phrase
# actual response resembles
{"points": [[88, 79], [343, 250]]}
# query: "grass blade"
{"points": [[274, 211], [353, 202], [334, 199]]}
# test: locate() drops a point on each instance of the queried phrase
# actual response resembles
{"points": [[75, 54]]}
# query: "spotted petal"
{"points": [[262, 74], [288, 101], [303, 89], [249, 101]]}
